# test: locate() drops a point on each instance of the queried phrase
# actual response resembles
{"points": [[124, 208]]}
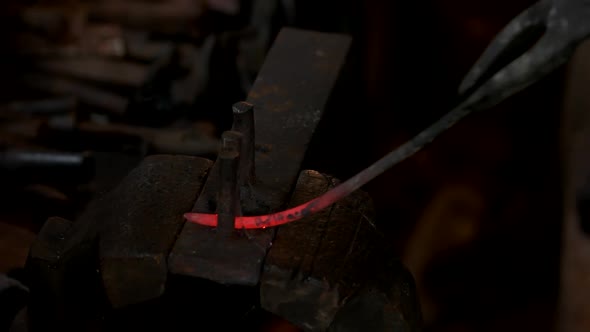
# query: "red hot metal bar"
{"points": [[346, 188]]}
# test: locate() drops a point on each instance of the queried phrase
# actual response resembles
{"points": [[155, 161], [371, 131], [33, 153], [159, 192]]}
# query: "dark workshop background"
{"points": [[475, 216]]}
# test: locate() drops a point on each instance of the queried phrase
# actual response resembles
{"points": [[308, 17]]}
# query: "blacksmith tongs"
{"points": [[562, 25]]}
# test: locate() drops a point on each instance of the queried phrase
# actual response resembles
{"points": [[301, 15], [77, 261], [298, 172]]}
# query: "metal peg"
{"points": [[243, 122], [228, 196]]}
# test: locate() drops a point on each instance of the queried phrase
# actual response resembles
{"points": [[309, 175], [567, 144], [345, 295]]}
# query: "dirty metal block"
{"points": [[147, 215], [316, 263], [65, 288], [289, 96], [132, 227]]}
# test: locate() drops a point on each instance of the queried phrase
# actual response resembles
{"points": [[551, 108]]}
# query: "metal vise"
{"points": [[131, 260]]}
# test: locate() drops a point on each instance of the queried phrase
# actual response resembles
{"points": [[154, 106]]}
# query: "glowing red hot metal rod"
{"points": [[345, 188]]}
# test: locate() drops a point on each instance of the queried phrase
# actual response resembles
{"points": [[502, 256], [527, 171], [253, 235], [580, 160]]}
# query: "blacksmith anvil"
{"points": [[131, 261]]}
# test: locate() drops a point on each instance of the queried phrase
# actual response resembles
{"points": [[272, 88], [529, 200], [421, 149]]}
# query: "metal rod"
{"points": [[244, 123], [228, 191]]}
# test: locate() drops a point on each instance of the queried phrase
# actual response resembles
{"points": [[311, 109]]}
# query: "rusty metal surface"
{"points": [[318, 262], [146, 216], [289, 97], [115, 252], [574, 310]]}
